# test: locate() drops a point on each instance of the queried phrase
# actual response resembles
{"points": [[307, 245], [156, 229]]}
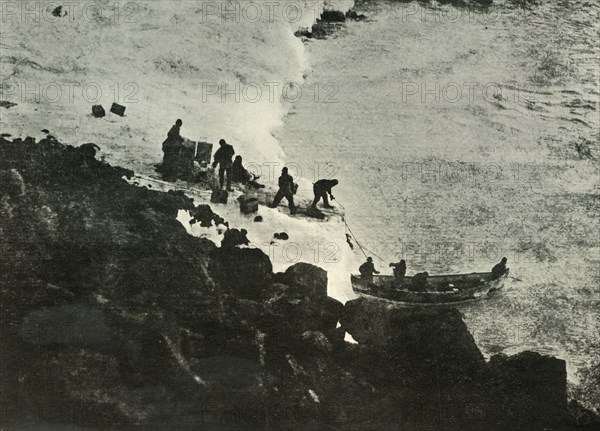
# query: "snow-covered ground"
{"points": [[379, 110], [228, 69]]}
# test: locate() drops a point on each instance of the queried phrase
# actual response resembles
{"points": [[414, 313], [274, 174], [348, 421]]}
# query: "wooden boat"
{"points": [[440, 289]]}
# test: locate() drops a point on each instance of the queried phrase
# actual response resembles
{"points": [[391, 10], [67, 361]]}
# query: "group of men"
{"points": [[177, 161], [234, 171], [288, 188], [419, 280]]}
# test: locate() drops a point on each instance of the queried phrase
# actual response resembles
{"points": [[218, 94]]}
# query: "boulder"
{"points": [[243, 271], [532, 387], [234, 238], [281, 236], [219, 196], [416, 334], [310, 279], [298, 300], [248, 204], [296, 314], [333, 16], [88, 150], [12, 183]]}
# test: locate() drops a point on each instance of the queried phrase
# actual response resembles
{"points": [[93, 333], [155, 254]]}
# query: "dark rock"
{"points": [[233, 238], [258, 219], [281, 236], [301, 302], [243, 271], [57, 12], [12, 183], [300, 314], [204, 214], [182, 325], [417, 334], [351, 14], [219, 196], [583, 418], [89, 150], [45, 130], [318, 340], [534, 388], [333, 16], [248, 205], [308, 279]]}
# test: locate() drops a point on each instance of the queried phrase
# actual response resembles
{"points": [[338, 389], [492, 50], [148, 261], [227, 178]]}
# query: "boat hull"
{"points": [[441, 289]]}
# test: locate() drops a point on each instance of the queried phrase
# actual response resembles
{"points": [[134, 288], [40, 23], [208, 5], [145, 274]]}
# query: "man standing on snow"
{"points": [[171, 148], [286, 190], [223, 159]]}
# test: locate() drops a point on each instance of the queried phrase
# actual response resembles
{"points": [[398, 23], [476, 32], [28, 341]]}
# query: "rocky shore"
{"points": [[114, 317]]}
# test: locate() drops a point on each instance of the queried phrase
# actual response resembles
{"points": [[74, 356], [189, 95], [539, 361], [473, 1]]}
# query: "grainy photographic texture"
{"points": [[299, 215]]}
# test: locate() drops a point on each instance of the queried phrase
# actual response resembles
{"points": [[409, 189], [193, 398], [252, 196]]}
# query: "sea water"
{"points": [[460, 136]]}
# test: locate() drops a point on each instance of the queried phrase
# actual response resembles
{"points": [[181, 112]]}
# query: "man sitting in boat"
{"points": [[499, 269], [399, 270], [367, 270], [419, 282]]}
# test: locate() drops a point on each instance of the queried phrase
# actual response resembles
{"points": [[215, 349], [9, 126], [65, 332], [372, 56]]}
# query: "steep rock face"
{"points": [[299, 302], [308, 279], [414, 333], [422, 359], [242, 271], [181, 334], [533, 386]]}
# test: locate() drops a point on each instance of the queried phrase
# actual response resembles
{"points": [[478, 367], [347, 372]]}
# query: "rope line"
{"points": [[362, 249]]}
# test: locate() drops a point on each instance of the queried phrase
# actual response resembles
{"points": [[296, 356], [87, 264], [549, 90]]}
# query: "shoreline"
{"points": [[583, 360], [277, 336], [188, 343]]}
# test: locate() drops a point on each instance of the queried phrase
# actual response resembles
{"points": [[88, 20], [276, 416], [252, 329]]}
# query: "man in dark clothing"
{"points": [[239, 174], [419, 281], [175, 132], [499, 269], [223, 159], [170, 147], [286, 190], [367, 270], [399, 270], [321, 188]]}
